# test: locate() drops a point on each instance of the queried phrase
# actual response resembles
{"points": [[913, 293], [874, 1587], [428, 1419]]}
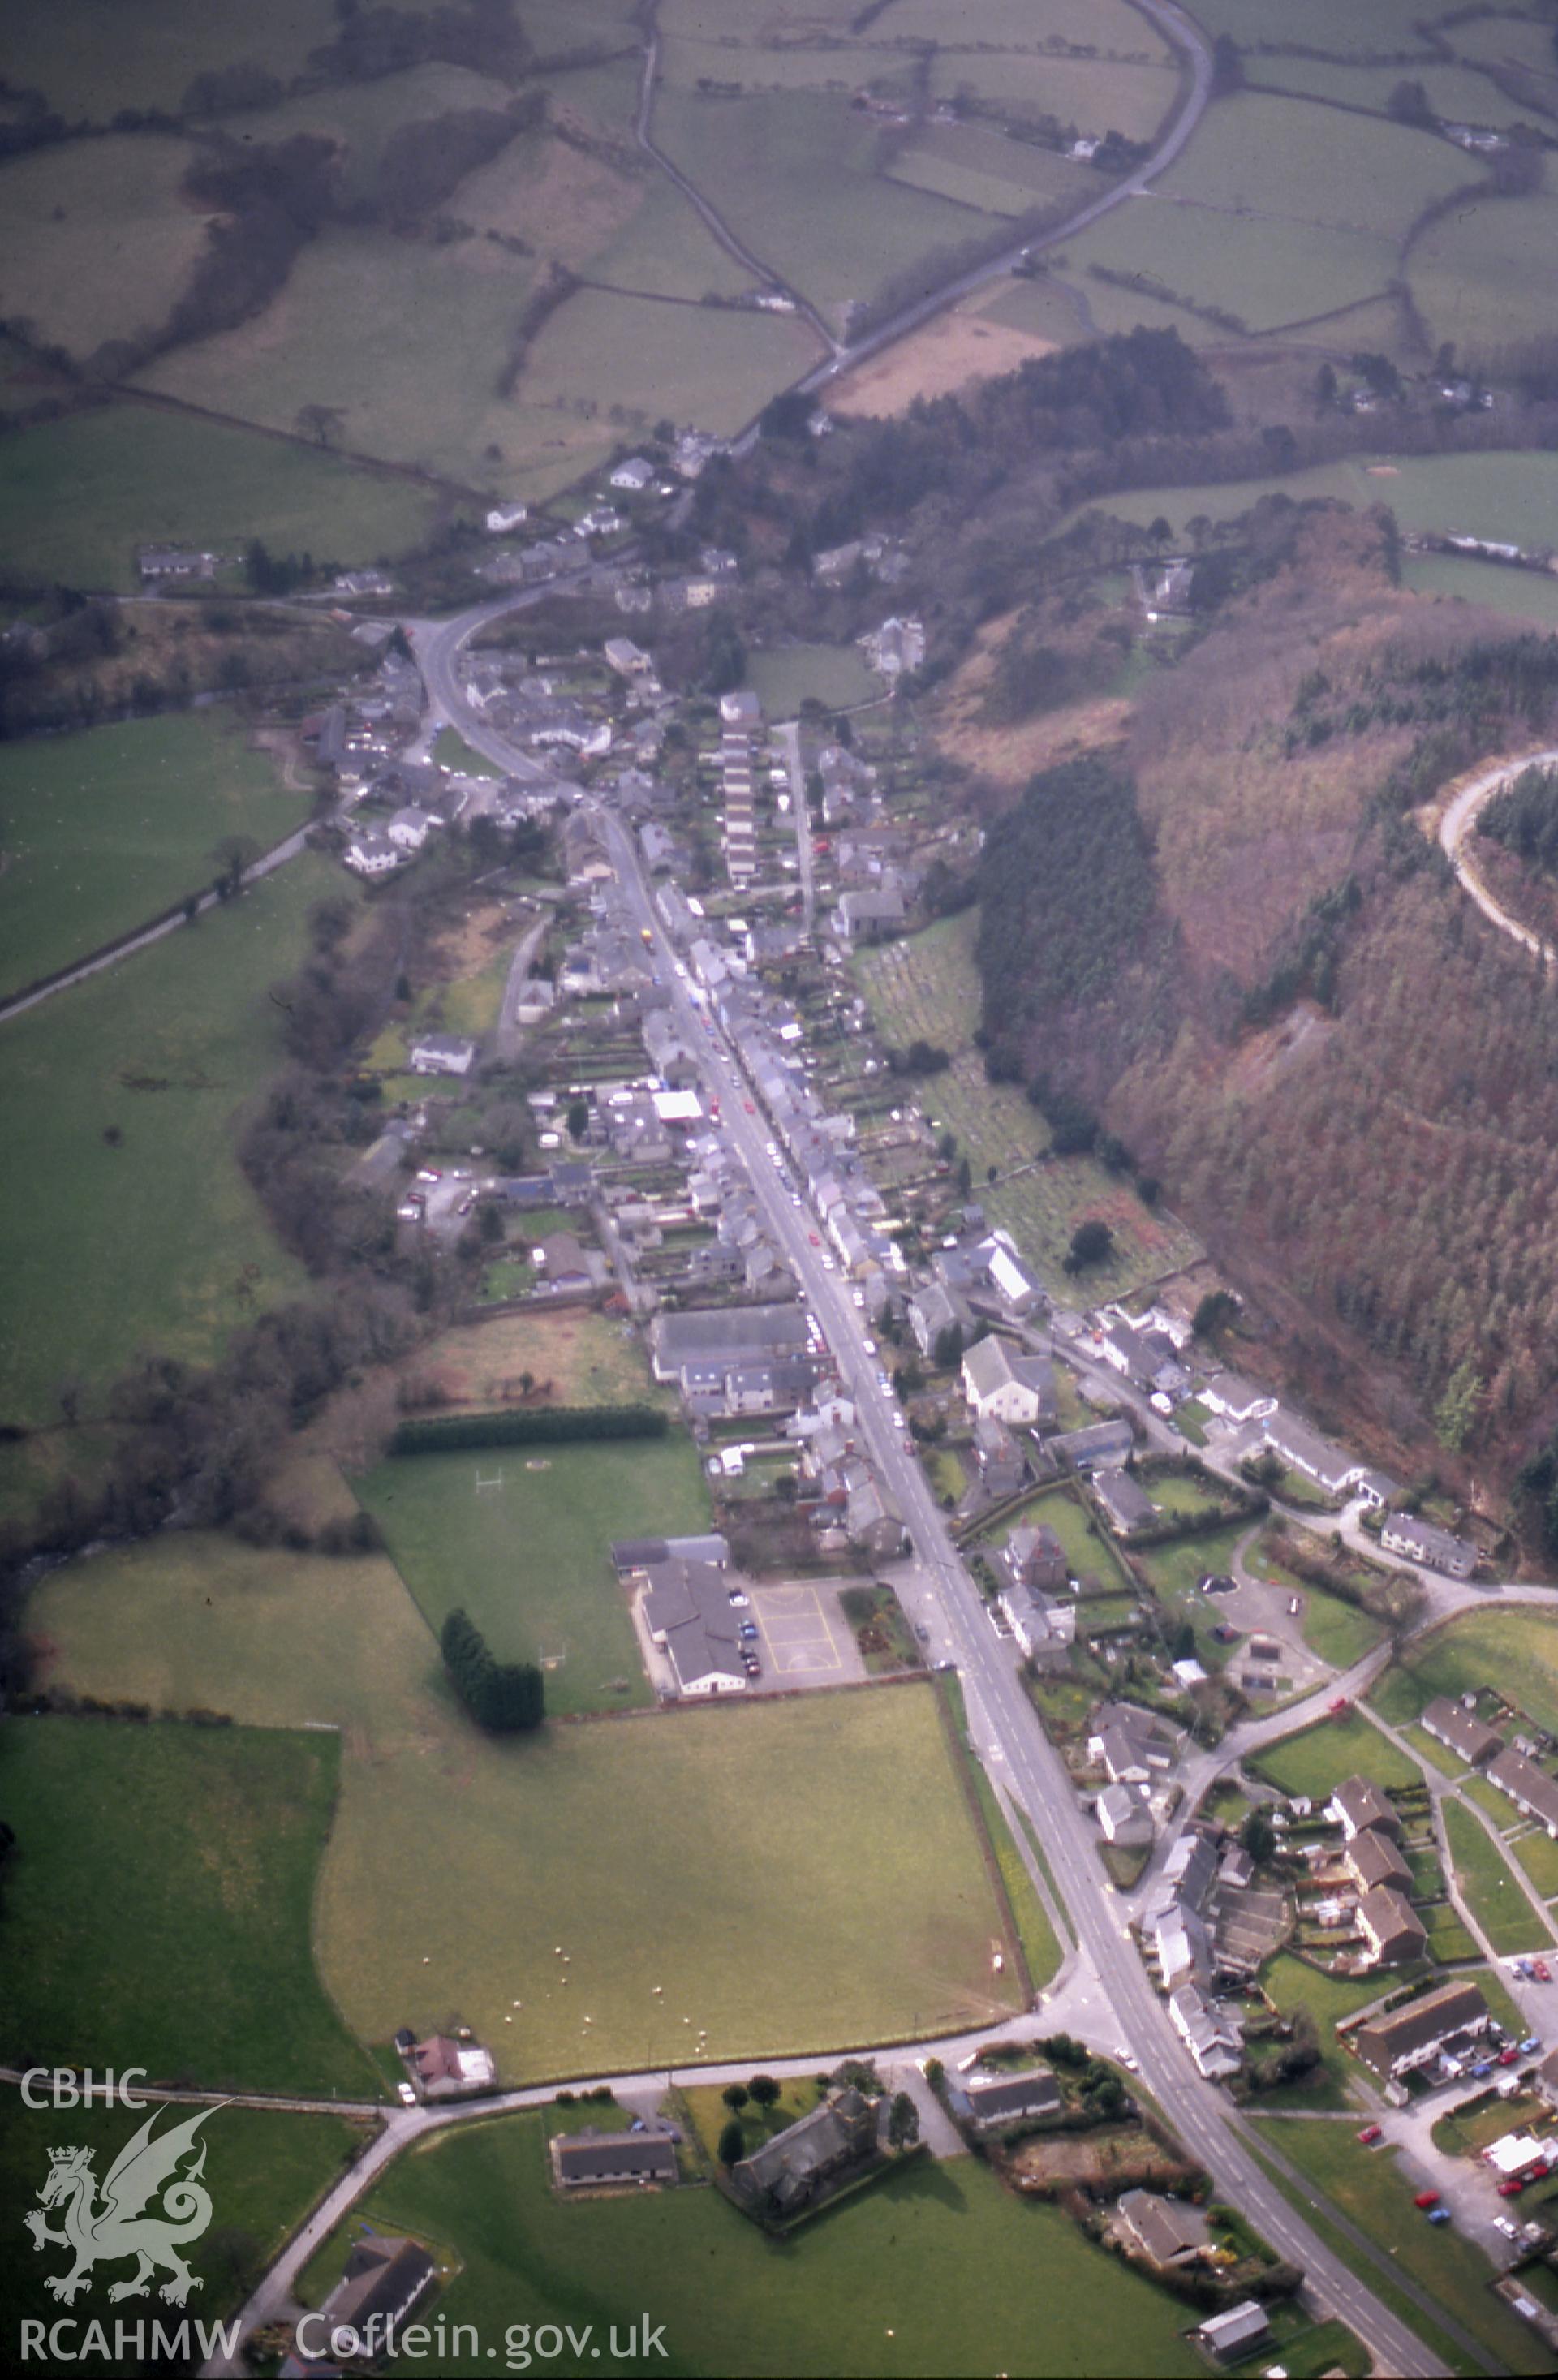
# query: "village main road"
{"points": [[1002, 1720]]}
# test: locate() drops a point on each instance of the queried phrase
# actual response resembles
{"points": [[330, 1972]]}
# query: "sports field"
{"points": [[158, 1902], [836, 674], [78, 496], [162, 1049], [529, 1559], [935, 2269], [1516, 1652], [103, 829]]}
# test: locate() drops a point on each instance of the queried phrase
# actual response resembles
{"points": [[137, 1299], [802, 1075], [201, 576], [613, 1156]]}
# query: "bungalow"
{"points": [[1451, 1724], [1101, 1446], [861, 916], [595, 2160], [174, 562], [1533, 1792], [635, 473], [501, 518], [1235, 1399], [561, 1260], [1000, 1385], [444, 2067], [441, 1053], [385, 2277], [792, 2168], [1418, 1541], [1126, 1505], [1413, 2037], [1392, 1927], [1166, 2231], [1008, 2098], [1359, 1804]]}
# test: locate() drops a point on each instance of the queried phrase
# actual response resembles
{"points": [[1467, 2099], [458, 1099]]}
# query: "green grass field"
{"points": [[1509, 497], [705, 364], [165, 1048], [264, 2171], [1494, 1898], [689, 1831], [1367, 2185], [100, 239], [1262, 271], [935, 2269], [1514, 1651], [1538, 1854], [1519, 594], [158, 1904], [785, 675], [78, 496], [926, 987], [1486, 275], [1316, 1760], [103, 829], [792, 172], [91, 61], [1338, 1631], [531, 1563]]}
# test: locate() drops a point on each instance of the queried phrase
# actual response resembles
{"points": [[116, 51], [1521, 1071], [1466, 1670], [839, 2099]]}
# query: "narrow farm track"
{"points": [[1460, 816]]}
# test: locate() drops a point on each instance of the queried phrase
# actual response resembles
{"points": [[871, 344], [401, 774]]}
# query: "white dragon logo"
{"points": [[144, 2168]]}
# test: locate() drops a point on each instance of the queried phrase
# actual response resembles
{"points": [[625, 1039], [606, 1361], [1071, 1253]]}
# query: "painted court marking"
{"points": [[796, 1631]]}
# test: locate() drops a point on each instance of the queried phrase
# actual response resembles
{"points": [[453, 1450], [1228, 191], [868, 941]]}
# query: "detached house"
{"points": [[1391, 1927], [1418, 1541], [1002, 1385]]}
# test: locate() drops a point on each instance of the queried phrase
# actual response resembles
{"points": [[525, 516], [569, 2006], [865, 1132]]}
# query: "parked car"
{"points": [[1511, 2230], [1530, 2045], [1542, 1971], [1370, 2134], [1439, 2215], [1294, 1607], [405, 2094], [739, 1599], [1513, 2187], [1482, 2069], [1426, 2198], [753, 1666], [1510, 2057], [748, 1632]]}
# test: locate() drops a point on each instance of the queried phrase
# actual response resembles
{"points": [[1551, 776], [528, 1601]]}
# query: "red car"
{"points": [[1513, 2187], [814, 1240], [1370, 2134], [1340, 1708], [749, 1108], [1426, 2198], [1542, 1971], [1509, 2056]]}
